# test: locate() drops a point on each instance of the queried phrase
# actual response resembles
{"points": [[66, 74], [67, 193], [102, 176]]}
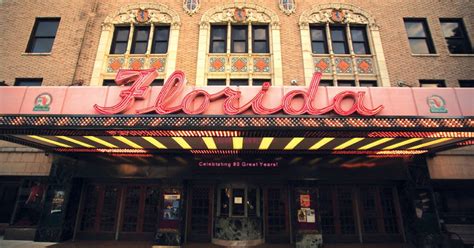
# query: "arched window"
{"points": [[239, 44], [342, 42], [138, 36]]}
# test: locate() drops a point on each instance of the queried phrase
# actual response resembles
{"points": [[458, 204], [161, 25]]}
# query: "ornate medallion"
{"points": [[240, 15], [288, 6], [142, 16], [191, 6], [337, 15]]}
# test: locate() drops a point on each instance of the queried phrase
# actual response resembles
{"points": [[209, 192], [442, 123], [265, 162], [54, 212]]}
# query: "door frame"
{"points": [[211, 213], [286, 238]]}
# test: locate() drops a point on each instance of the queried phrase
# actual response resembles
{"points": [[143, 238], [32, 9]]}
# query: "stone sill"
{"points": [[35, 54], [425, 55], [461, 55]]}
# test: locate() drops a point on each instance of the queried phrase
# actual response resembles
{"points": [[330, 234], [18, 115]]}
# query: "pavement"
{"points": [[104, 244], [143, 244]]}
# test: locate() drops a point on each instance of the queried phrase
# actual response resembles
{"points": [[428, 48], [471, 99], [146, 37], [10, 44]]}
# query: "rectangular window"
{"points": [[456, 36], [368, 83], [216, 82], [239, 39], [346, 83], [419, 36], [28, 81], [319, 43], [326, 83], [218, 39], [466, 83], [120, 40], [140, 39], [109, 82], [157, 82], [259, 82], [160, 40], [339, 40], [427, 83], [238, 202], [42, 36], [239, 82], [360, 43], [260, 39]]}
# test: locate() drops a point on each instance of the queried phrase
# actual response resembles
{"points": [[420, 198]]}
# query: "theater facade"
{"points": [[197, 123]]}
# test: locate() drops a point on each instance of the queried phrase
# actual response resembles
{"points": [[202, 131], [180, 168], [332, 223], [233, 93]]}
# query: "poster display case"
{"points": [[307, 221]]}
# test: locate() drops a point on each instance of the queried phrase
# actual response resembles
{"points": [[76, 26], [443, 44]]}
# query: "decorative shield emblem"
{"points": [[42, 102], [142, 16], [337, 15], [240, 15], [288, 6], [437, 104], [191, 6]]}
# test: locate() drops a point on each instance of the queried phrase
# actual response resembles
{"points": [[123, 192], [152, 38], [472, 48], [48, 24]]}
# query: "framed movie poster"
{"points": [[57, 202], [305, 201], [171, 206]]}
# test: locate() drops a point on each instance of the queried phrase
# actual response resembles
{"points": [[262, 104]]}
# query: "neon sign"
{"points": [[141, 80], [237, 164]]}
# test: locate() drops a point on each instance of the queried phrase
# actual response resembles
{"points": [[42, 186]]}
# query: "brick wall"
{"points": [[67, 61]]}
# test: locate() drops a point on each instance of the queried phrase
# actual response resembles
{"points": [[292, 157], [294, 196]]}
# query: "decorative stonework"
{"points": [[226, 13], [158, 63], [322, 65], [216, 64], [239, 64], [136, 63], [143, 13], [114, 64], [287, 6], [261, 64], [364, 66], [336, 13], [239, 13], [131, 15], [191, 6], [343, 65]]}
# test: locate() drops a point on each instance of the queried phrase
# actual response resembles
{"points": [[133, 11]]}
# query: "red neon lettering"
{"points": [[139, 90], [173, 87]]}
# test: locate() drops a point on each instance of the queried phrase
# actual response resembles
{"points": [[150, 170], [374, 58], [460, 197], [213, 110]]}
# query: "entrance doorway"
{"points": [[115, 211], [237, 214], [276, 215], [200, 209]]}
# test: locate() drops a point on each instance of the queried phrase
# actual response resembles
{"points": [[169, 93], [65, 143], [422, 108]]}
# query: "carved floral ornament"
{"points": [[191, 6], [336, 13], [143, 13], [287, 6], [227, 13]]}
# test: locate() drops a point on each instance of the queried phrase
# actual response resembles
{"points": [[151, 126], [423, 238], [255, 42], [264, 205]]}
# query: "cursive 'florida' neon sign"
{"points": [[172, 88]]}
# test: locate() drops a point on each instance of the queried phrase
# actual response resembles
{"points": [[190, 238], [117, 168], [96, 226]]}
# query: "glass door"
{"points": [[100, 211], [276, 215], [200, 213], [140, 212]]}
